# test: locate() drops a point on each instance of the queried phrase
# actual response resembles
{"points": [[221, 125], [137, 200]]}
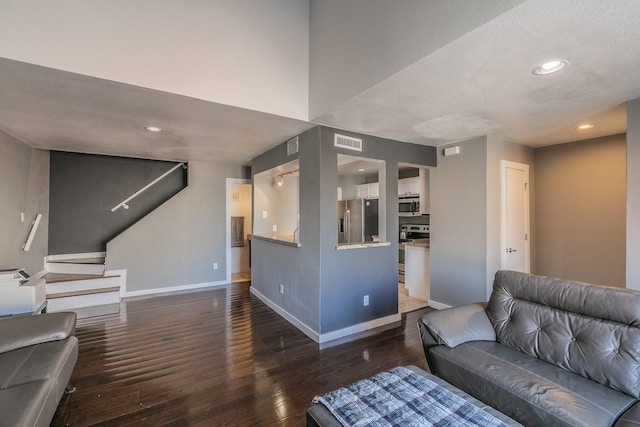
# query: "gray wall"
{"points": [[459, 225], [298, 269], [357, 43], [633, 195], [85, 187], [324, 287], [24, 187], [178, 243], [348, 275], [580, 211]]}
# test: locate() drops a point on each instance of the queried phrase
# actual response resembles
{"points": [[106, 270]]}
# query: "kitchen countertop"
{"points": [[342, 246], [283, 239]]}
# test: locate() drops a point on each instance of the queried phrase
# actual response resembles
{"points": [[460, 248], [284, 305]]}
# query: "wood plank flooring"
{"points": [[218, 357]]}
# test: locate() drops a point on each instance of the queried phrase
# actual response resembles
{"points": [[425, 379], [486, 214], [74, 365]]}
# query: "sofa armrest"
{"points": [[457, 325], [23, 331]]}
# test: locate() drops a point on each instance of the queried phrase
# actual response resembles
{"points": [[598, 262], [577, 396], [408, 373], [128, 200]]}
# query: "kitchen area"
{"points": [[413, 238], [358, 221]]}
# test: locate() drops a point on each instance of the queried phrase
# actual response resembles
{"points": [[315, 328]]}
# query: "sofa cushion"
{"points": [[23, 331], [528, 390], [31, 404], [459, 324], [589, 330], [49, 361]]}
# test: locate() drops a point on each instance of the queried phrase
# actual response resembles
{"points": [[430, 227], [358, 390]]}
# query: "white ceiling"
{"points": [[479, 84]]}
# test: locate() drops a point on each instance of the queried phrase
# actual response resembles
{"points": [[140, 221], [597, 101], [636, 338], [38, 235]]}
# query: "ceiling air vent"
{"points": [[347, 142], [292, 146]]}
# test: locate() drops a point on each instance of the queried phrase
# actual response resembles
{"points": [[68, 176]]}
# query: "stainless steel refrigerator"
{"points": [[357, 220]]}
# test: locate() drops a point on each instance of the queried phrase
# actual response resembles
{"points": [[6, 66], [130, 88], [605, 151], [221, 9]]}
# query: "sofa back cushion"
{"points": [[592, 331]]}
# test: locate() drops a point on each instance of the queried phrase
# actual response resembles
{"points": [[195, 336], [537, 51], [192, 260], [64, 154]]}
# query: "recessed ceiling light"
{"points": [[153, 128], [585, 126], [549, 67], [360, 170]]}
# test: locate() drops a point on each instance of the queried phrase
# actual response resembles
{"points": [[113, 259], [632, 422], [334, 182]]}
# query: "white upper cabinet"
{"points": [[368, 191], [409, 186]]}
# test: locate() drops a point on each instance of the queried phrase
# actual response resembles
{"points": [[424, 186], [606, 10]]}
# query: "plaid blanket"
{"points": [[399, 397]]}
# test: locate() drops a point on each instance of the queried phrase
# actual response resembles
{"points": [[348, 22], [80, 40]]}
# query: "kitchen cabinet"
{"points": [[417, 270], [409, 186], [417, 186], [368, 191]]}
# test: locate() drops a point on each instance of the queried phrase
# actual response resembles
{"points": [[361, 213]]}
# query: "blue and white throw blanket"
{"points": [[399, 397]]}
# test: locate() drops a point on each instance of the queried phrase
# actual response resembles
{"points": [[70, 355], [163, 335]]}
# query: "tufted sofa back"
{"points": [[592, 331]]}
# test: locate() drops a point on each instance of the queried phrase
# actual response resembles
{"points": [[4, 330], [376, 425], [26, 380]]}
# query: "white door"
{"points": [[515, 217]]}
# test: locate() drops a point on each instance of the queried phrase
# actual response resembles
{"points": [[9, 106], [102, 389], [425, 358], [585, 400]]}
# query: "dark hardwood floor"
{"points": [[217, 357]]}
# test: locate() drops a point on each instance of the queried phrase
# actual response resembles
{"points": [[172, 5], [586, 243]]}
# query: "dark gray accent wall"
{"points": [[24, 189], [85, 187], [324, 287], [633, 195]]}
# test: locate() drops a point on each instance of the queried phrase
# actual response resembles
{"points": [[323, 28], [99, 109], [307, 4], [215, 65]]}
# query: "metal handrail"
{"points": [[123, 203]]}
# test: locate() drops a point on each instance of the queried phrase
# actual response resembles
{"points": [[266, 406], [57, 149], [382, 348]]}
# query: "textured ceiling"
{"points": [[478, 84], [482, 83], [57, 110]]}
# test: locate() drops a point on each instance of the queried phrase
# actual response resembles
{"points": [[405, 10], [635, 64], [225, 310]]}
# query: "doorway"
{"points": [[239, 228], [515, 228], [413, 215]]}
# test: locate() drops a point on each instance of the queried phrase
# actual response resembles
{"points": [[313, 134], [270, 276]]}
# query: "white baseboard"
{"points": [[175, 288], [329, 336], [438, 305], [288, 316], [360, 327]]}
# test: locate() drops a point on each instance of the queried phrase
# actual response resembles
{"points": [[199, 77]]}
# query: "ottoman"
{"points": [[402, 396]]}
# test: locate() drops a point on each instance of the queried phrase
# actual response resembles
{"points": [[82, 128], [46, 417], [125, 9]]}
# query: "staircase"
{"points": [[77, 282]]}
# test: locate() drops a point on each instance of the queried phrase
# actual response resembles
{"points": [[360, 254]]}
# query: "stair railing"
{"points": [[123, 204]]}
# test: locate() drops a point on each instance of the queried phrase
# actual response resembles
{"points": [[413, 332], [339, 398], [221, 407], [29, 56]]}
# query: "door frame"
{"points": [[231, 183], [504, 164]]}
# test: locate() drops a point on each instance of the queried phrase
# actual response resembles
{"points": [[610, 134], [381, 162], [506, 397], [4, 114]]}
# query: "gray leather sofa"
{"points": [[37, 356], [543, 351]]}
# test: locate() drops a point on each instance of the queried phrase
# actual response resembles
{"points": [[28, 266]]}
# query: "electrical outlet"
{"points": [[282, 288], [215, 265], [365, 302], [275, 227]]}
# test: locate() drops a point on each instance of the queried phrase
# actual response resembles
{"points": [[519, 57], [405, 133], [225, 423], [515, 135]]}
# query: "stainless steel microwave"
{"points": [[409, 206]]}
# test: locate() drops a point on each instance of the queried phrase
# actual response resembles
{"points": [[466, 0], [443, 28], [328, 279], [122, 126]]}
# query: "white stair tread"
{"points": [[79, 292]]}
